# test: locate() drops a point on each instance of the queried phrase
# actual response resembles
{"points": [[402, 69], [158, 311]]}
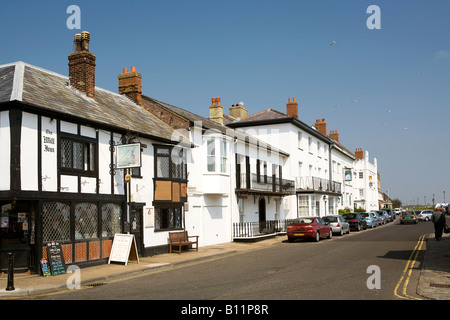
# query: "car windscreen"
{"points": [[350, 216], [330, 219], [365, 214]]}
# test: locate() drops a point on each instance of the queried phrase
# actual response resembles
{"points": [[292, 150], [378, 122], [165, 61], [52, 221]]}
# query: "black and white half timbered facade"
{"points": [[58, 176]]}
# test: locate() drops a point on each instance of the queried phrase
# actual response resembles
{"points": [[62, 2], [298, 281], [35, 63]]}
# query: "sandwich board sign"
{"points": [[123, 249]]}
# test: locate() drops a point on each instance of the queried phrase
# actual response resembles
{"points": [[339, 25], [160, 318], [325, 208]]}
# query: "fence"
{"points": [[258, 229]]}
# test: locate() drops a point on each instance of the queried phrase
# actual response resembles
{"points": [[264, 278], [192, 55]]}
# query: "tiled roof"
{"points": [[51, 92], [268, 114], [206, 123]]}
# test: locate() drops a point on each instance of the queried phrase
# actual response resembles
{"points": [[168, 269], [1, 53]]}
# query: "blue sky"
{"points": [[386, 91]]}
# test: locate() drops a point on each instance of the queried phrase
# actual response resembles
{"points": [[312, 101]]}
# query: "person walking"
{"points": [[438, 219]]}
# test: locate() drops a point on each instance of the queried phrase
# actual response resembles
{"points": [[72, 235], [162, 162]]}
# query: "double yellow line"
{"points": [[407, 272]]}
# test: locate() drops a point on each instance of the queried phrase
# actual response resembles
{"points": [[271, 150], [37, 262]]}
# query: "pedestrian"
{"points": [[438, 219]]}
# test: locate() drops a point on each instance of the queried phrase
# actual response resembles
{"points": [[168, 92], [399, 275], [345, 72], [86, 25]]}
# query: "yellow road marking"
{"points": [[408, 270]]}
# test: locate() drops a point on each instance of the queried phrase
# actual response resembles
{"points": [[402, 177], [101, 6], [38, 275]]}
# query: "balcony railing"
{"points": [[317, 184], [265, 183], [248, 230]]}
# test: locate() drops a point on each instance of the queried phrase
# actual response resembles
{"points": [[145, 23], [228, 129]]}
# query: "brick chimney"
{"points": [[292, 108], [334, 135], [216, 110], [82, 65], [321, 126], [359, 153], [130, 85], [238, 111]]}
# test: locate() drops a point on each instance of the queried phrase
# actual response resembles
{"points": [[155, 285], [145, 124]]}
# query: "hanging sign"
{"points": [[123, 248], [128, 156]]}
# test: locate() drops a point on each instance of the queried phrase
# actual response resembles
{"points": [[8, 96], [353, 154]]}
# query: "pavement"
{"points": [[434, 280]]}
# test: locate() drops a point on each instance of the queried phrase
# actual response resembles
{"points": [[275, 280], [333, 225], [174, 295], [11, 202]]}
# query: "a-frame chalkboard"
{"points": [[56, 258]]}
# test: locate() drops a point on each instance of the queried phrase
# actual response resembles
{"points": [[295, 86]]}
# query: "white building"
{"points": [[317, 191], [365, 181], [326, 173], [236, 185]]}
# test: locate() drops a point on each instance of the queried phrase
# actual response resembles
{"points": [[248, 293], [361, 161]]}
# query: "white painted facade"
{"points": [[366, 183]]}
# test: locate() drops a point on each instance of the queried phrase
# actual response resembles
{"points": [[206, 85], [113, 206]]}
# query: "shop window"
{"points": [[55, 221], [86, 221], [111, 219]]}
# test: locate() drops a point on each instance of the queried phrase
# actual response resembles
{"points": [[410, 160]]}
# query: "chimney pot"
{"points": [[292, 108], [130, 85], [216, 111], [82, 65], [85, 38], [321, 126], [359, 153]]}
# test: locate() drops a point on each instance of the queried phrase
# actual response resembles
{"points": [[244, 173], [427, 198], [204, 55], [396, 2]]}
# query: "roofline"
{"points": [[291, 120], [29, 107]]}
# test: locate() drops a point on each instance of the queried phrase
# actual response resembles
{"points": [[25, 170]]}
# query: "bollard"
{"points": [[10, 286]]}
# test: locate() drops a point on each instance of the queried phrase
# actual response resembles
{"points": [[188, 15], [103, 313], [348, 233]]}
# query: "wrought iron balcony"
{"points": [[265, 183], [317, 184]]}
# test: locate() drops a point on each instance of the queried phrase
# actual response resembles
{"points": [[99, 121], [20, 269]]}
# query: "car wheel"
{"points": [[359, 228], [342, 232], [330, 235], [426, 219], [317, 238]]}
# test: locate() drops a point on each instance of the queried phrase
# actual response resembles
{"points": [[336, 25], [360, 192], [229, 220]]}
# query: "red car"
{"points": [[309, 227]]}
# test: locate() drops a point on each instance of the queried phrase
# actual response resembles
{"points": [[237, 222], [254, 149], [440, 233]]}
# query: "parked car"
{"points": [[356, 220], [425, 215], [338, 224], [408, 217], [378, 217], [382, 216], [371, 219], [308, 227], [388, 215]]}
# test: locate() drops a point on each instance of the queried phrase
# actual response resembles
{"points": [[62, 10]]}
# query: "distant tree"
{"points": [[396, 203]]}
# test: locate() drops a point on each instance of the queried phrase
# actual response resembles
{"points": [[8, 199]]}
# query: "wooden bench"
{"points": [[179, 239]]}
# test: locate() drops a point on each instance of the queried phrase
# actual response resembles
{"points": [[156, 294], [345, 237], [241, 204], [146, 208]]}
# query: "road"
{"points": [[337, 268]]}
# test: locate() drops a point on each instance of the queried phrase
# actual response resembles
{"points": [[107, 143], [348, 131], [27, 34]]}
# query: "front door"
{"points": [[17, 223], [136, 218], [262, 214]]}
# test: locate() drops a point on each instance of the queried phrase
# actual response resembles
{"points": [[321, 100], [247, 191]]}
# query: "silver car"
{"points": [[337, 223], [424, 215]]}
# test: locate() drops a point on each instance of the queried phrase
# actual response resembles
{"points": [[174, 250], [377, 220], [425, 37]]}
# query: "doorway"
{"points": [[262, 213], [136, 229], [17, 234]]}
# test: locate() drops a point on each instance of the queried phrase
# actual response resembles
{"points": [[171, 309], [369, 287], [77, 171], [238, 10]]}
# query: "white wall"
{"points": [[5, 159], [29, 152]]}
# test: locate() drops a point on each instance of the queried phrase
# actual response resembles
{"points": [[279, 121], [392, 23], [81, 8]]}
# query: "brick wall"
{"points": [[82, 72]]}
